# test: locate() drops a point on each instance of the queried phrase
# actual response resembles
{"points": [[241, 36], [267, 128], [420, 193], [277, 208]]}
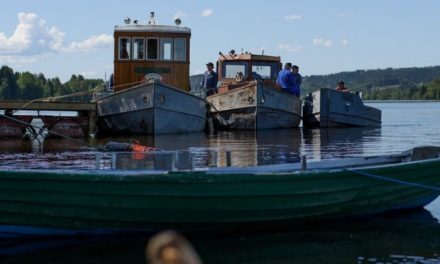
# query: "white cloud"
{"points": [[89, 73], [344, 42], [207, 12], [293, 17], [32, 36], [19, 60], [345, 15], [290, 48], [180, 14], [89, 44], [320, 42]]}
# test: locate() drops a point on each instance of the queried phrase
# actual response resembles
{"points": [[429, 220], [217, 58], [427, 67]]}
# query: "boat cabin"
{"points": [[151, 52], [237, 68]]}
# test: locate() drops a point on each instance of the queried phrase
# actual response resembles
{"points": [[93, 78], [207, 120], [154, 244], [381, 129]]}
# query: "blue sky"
{"points": [[60, 38]]}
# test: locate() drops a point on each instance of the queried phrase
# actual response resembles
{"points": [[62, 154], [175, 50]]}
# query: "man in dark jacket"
{"points": [[210, 80], [298, 80]]}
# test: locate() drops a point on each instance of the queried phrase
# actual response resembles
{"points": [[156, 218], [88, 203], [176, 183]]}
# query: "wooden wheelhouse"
{"points": [[143, 53]]}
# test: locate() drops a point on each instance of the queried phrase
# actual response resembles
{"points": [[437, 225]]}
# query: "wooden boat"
{"points": [[151, 83], [248, 98], [121, 200], [331, 108]]}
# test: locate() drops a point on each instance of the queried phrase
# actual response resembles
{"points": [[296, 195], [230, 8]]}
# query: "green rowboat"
{"points": [[112, 200]]}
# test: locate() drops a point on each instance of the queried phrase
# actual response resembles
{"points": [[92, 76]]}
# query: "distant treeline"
{"points": [[386, 84], [28, 86]]}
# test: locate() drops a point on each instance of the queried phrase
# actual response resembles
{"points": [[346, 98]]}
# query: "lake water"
{"points": [[399, 238]]}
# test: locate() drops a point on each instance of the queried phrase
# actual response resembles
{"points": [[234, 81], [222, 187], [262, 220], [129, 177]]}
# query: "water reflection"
{"points": [[326, 143], [245, 148], [409, 237]]}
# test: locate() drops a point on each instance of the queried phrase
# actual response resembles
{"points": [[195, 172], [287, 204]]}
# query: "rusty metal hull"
{"points": [[255, 107], [151, 109], [331, 108]]}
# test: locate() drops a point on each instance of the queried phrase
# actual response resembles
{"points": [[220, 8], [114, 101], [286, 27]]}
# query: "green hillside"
{"points": [[403, 83]]}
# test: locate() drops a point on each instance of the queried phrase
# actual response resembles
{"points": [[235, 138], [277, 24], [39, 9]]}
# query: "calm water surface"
{"points": [[404, 238]]}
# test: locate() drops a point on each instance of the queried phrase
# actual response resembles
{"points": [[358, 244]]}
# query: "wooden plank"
{"points": [[56, 106]]}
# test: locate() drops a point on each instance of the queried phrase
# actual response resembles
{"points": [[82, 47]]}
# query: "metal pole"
{"points": [[228, 158], [98, 161], [304, 162], [113, 165]]}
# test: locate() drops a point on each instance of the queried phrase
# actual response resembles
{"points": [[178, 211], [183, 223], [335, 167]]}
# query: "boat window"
{"points": [[264, 71], [166, 48], [232, 69], [180, 49], [152, 49], [124, 48], [138, 48]]}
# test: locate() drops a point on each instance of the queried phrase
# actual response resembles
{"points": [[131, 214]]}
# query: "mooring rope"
{"points": [[380, 177], [54, 98]]}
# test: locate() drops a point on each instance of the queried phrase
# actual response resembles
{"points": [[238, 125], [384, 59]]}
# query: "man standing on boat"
{"points": [[285, 79], [341, 87], [298, 80], [210, 79]]}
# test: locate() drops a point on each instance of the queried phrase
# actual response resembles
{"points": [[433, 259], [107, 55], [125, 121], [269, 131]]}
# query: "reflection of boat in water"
{"points": [[251, 100], [151, 78], [219, 197], [331, 108], [326, 143], [253, 148], [407, 237]]}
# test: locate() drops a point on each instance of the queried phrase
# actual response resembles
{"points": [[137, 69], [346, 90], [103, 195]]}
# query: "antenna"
{"points": [[127, 20], [177, 21], [151, 21]]}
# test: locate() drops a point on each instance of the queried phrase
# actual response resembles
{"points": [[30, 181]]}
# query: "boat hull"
{"points": [[331, 108], [118, 200], [151, 109], [255, 107]]}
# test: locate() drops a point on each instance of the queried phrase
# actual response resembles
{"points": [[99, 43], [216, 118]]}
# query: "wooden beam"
{"points": [[54, 106]]}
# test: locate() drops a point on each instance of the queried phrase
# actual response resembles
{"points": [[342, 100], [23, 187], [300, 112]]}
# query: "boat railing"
{"points": [[99, 95]]}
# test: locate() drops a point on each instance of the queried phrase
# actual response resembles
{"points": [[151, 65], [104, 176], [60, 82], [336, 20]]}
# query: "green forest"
{"points": [[381, 84], [28, 86]]}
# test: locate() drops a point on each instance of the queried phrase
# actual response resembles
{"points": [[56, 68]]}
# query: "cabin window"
{"points": [[138, 48], [180, 49], [264, 71], [152, 49], [232, 69], [124, 48], [166, 49]]}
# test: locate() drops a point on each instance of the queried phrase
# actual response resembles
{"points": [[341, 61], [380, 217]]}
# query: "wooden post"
{"points": [[92, 123]]}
